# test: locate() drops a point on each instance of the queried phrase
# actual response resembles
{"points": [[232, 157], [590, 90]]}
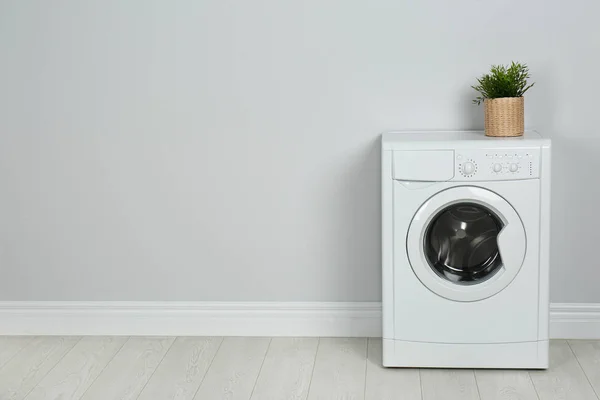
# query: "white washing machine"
{"points": [[466, 230]]}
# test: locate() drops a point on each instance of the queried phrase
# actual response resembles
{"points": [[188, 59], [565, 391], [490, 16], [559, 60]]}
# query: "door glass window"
{"points": [[460, 243]]}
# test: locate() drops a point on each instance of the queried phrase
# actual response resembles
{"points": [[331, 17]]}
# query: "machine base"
{"points": [[527, 355]]}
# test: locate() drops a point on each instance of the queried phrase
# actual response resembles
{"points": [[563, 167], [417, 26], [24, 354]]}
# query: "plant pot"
{"points": [[505, 116]]}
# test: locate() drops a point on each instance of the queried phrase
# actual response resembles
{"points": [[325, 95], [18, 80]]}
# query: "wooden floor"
{"points": [[105, 368]]}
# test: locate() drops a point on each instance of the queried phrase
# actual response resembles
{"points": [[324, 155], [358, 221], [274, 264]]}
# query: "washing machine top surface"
{"points": [[415, 140]]}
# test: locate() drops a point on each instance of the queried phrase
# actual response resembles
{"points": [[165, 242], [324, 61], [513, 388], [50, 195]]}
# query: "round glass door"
{"points": [[466, 243], [460, 243]]}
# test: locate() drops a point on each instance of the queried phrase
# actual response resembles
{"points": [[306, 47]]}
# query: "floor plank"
{"points": [[564, 379], [505, 385], [588, 355], [287, 370], [74, 374], [30, 365], [449, 384], [234, 369], [389, 383], [129, 371], [339, 371], [182, 370], [11, 345]]}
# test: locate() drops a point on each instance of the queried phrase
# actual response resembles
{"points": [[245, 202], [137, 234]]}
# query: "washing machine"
{"points": [[465, 238]]}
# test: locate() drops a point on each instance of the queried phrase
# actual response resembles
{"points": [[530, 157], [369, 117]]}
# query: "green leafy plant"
{"points": [[503, 81]]}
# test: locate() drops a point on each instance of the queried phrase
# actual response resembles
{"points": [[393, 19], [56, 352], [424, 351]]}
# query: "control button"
{"points": [[520, 156], [489, 155], [513, 167], [468, 168], [459, 157], [499, 155], [497, 167]]}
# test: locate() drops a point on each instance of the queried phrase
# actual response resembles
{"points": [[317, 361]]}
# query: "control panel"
{"points": [[496, 164]]}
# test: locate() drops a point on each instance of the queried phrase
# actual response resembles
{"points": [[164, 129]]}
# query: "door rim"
{"points": [[423, 218]]}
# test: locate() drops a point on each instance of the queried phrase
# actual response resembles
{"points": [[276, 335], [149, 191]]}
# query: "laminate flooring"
{"points": [[250, 368]]}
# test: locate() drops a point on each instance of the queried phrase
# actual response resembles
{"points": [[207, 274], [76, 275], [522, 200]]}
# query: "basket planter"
{"points": [[504, 117]]}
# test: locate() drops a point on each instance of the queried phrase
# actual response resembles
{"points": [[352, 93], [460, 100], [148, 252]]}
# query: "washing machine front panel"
{"points": [[419, 312], [466, 243], [449, 316]]}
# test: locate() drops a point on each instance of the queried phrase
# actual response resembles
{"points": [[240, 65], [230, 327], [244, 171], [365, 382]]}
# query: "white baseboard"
{"points": [[575, 321], [350, 319], [191, 318]]}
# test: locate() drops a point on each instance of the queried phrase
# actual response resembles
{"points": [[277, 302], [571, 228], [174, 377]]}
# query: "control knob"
{"points": [[468, 168], [497, 167], [513, 167]]}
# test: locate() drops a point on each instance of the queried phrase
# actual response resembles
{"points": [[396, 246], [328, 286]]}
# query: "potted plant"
{"points": [[501, 92]]}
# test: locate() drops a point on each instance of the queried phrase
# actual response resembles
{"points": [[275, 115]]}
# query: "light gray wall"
{"points": [[228, 149]]}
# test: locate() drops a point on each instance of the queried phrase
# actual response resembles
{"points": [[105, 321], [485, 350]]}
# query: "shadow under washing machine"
{"points": [[465, 222]]}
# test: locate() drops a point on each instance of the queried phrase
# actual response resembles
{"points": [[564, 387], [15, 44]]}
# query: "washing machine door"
{"points": [[466, 243]]}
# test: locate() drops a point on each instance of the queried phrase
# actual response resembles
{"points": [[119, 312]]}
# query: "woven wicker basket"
{"points": [[504, 117]]}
